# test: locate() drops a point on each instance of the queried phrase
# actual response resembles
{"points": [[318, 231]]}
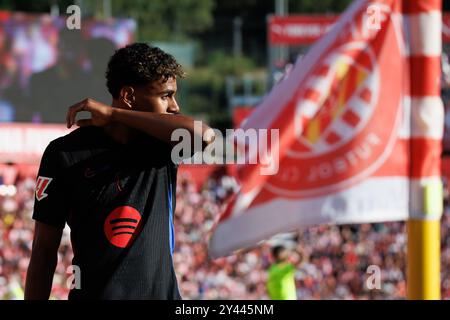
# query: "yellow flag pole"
{"points": [[426, 202], [423, 271], [424, 252]]}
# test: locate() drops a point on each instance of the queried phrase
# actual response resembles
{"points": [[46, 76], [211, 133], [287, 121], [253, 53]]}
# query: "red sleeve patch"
{"points": [[41, 185]]}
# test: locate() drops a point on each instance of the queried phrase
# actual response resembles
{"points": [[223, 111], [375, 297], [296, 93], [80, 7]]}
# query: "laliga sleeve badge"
{"points": [[41, 185]]}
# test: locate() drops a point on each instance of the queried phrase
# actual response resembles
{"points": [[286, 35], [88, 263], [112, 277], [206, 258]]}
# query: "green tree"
{"points": [[322, 6], [166, 19], [32, 6]]}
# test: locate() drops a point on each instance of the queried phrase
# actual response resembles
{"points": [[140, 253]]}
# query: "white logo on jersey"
{"points": [[41, 185]]}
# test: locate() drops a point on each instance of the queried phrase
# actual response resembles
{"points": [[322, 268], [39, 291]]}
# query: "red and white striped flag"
{"points": [[360, 124]]}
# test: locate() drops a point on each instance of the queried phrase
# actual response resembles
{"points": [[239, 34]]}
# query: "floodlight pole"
{"points": [[282, 9]]}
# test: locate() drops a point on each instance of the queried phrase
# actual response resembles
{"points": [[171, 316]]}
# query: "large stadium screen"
{"points": [[45, 67]]}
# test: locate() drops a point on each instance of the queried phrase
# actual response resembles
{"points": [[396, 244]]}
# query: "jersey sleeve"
{"points": [[50, 205]]}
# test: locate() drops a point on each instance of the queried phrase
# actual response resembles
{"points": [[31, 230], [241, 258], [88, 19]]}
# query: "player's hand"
{"points": [[101, 114]]}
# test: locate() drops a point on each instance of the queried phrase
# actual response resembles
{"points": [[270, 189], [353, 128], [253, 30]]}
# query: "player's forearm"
{"points": [[40, 276], [161, 126]]}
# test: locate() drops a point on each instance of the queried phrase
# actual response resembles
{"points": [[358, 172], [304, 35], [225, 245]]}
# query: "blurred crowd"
{"points": [[331, 261]]}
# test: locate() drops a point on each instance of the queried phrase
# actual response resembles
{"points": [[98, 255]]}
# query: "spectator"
{"points": [[281, 280]]}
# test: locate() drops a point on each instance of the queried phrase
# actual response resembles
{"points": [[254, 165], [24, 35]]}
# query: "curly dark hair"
{"points": [[140, 64]]}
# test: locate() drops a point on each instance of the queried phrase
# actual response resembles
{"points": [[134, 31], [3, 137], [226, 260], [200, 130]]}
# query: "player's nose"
{"points": [[173, 107]]}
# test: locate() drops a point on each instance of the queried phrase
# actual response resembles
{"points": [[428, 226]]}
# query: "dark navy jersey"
{"points": [[118, 200]]}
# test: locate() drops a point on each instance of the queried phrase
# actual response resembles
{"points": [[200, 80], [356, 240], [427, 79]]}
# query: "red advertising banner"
{"points": [[25, 143], [305, 29], [297, 30]]}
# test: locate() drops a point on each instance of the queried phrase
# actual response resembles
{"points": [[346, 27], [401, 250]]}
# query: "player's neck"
{"points": [[119, 132]]}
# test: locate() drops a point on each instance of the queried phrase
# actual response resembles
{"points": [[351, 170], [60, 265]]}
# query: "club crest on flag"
{"points": [[344, 129], [338, 101]]}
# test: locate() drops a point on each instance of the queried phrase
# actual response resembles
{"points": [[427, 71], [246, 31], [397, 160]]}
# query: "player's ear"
{"points": [[127, 96]]}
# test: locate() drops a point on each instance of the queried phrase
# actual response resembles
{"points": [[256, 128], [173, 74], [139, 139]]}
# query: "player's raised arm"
{"points": [[159, 125]]}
